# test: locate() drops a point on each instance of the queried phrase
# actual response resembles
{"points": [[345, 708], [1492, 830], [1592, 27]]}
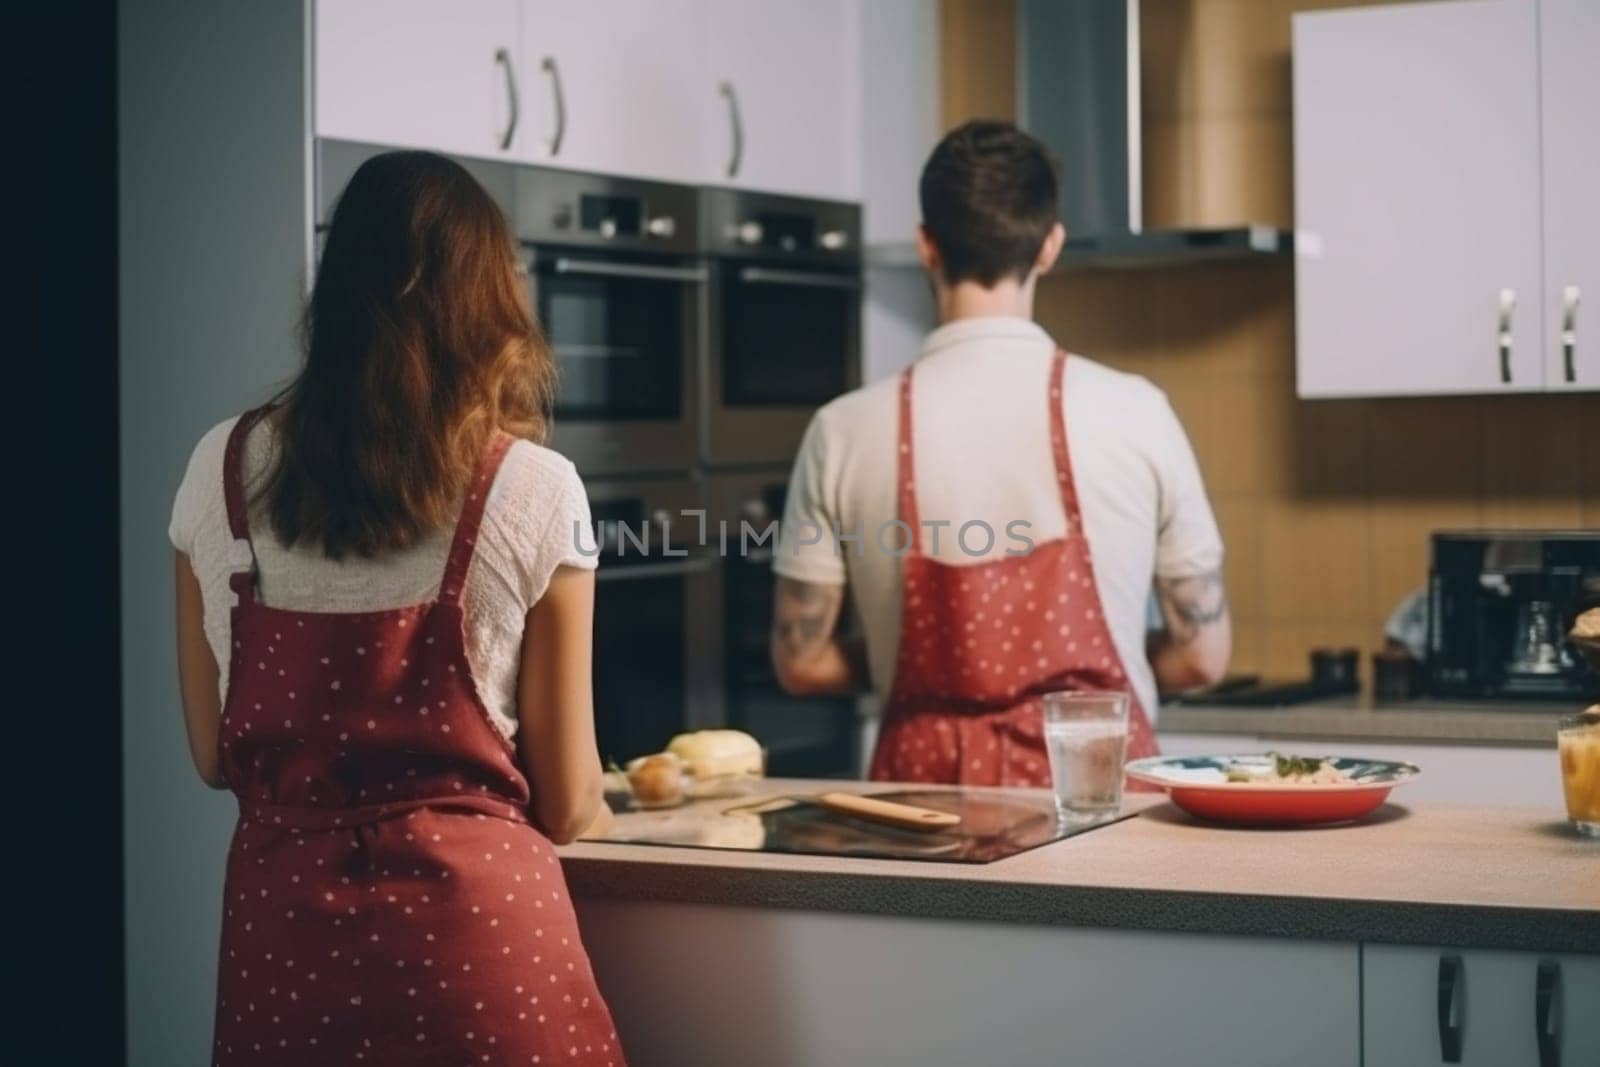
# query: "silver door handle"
{"points": [[736, 123], [503, 59], [676, 568], [1569, 331], [1508, 304], [558, 101], [694, 275], [767, 276]]}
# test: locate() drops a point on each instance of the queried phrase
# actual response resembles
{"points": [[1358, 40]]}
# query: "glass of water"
{"points": [[1086, 736]]}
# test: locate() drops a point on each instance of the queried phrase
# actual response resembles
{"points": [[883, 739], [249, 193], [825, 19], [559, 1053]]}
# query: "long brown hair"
{"points": [[419, 345]]}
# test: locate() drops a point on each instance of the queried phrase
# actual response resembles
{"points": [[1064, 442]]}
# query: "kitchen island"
{"points": [[1151, 938]]}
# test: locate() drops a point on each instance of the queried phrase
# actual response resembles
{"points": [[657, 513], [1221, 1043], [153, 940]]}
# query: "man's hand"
{"points": [[1194, 647], [808, 655]]}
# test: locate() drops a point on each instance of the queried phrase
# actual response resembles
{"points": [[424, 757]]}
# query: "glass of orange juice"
{"points": [[1578, 740]]}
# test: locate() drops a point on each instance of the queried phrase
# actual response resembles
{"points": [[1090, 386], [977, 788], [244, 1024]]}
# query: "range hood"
{"points": [[1078, 92]]}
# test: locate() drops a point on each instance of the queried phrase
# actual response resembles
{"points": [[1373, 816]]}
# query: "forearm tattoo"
{"points": [[804, 617], [1191, 604]]}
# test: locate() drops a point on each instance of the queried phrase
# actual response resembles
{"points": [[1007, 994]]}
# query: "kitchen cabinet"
{"points": [[419, 74], [1569, 41], [1443, 215], [1495, 1009]]}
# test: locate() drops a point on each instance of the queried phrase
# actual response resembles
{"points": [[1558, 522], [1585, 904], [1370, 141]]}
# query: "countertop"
{"points": [[1355, 718], [1469, 877]]}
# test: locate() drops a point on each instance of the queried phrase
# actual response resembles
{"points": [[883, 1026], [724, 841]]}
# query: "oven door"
{"points": [[626, 336], [785, 340], [657, 661]]}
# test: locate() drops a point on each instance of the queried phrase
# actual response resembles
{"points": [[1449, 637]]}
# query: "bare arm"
{"points": [[555, 707], [1194, 647], [809, 656], [197, 677]]}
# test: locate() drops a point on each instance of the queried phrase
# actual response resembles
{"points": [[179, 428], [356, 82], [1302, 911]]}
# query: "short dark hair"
{"points": [[988, 196]]}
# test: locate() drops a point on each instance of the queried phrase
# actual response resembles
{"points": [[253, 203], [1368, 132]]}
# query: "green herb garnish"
{"points": [[1290, 766]]}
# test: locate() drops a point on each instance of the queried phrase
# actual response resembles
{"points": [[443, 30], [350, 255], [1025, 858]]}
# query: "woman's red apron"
{"points": [[979, 644], [387, 900]]}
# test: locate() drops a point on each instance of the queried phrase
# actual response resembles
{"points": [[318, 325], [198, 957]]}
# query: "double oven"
{"points": [[695, 332]]}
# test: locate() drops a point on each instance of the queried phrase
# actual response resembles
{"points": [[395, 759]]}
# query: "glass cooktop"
{"points": [[994, 824]]}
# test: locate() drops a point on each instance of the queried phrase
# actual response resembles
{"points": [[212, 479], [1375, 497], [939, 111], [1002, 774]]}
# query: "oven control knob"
{"points": [[754, 511], [608, 228], [833, 240], [661, 226], [750, 233]]}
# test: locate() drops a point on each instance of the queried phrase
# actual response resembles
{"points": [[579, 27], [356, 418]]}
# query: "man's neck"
{"points": [[968, 300]]}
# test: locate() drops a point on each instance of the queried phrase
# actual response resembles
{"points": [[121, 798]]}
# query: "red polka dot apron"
{"points": [[387, 900], [979, 644]]}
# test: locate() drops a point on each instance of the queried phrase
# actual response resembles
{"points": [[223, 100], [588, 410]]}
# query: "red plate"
{"points": [[1199, 785]]}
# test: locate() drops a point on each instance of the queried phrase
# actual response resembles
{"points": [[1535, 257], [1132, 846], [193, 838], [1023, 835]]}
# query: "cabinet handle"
{"points": [[736, 123], [503, 59], [1450, 973], [1508, 304], [558, 101], [1569, 331], [1547, 1013]]}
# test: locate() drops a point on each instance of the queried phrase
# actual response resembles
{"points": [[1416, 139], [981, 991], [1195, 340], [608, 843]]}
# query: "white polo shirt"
{"points": [[982, 449]]}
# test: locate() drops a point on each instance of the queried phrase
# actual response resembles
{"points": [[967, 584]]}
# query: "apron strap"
{"points": [[243, 583], [466, 538], [905, 469], [1058, 443]]}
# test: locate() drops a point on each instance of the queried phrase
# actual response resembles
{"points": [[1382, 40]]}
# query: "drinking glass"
{"points": [[1578, 741], [1086, 737]]}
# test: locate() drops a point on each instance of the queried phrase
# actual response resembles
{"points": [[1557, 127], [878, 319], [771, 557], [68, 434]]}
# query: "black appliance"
{"points": [[785, 319], [1500, 606], [622, 299], [805, 737], [657, 649]]}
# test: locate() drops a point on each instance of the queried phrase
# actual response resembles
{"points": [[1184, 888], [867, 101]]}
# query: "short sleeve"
{"points": [[1188, 541], [806, 548], [200, 492], [573, 530], [541, 513]]}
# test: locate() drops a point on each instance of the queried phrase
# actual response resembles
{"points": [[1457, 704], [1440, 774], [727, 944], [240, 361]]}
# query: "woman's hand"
{"points": [[197, 677]]}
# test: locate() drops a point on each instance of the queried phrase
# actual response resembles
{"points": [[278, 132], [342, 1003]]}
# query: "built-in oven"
{"points": [[812, 737], [657, 642], [785, 320], [621, 296]]}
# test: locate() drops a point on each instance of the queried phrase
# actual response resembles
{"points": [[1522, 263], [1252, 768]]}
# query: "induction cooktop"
{"points": [[994, 824]]}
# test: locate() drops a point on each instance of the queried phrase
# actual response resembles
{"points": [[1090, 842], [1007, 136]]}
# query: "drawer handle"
{"points": [[1547, 1013], [558, 101], [503, 59], [1569, 331], [1450, 975], [736, 127], [1508, 304]]}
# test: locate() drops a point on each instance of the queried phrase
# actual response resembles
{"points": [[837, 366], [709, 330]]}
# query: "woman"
{"points": [[379, 605]]}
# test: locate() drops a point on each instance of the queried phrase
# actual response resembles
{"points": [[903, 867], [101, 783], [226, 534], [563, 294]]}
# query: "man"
{"points": [[1000, 512]]}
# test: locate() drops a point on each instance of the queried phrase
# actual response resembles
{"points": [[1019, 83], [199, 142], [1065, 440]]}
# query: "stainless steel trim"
{"points": [[558, 101], [1508, 305], [1133, 67], [692, 565], [694, 275], [736, 124], [503, 58], [768, 276], [1569, 331]]}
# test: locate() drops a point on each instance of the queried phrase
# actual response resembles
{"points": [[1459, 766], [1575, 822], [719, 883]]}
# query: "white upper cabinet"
{"points": [[611, 86], [419, 73], [1569, 32], [1417, 192], [780, 93]]}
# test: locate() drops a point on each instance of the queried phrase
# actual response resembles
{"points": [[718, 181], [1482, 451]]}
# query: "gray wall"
{"points": [[212, 202]]}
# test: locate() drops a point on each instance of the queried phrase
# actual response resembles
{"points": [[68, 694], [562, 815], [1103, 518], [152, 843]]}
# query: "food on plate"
{"points": [[1288, 770], [656, 781], [1587, 626], [1579, 746], [718, 753]]}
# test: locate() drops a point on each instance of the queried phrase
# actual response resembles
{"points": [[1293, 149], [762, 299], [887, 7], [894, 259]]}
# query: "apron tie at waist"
{"points": [[300, 817]]}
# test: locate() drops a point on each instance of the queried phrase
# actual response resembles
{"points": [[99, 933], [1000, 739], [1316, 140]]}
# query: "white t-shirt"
{"points": [[534, 506], [981, 442]]}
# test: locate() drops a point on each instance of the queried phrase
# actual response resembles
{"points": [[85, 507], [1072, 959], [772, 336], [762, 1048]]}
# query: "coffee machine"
{"points": [[1499, 609]]}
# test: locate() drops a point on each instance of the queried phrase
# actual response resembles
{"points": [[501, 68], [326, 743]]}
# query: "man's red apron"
{"points": [[980, 643], [387, 900]]}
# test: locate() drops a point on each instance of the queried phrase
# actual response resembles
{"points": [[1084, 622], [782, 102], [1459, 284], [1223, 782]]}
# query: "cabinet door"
{"points": [[1569, 32], [1417, 200], [1494, 1002], [417, 73], [612, 87], [789, 118]]}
